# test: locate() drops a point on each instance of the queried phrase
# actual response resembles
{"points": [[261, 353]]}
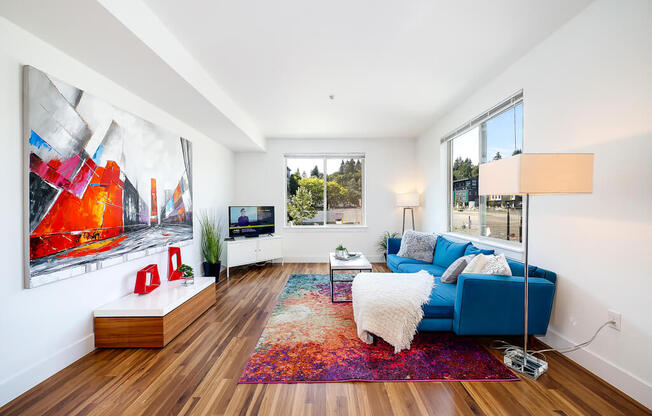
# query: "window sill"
{"points": [[326, 227], [491, 242]]}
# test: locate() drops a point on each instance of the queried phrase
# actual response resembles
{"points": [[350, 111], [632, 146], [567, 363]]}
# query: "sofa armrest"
{"points": [[493, 305], [393, 245]]}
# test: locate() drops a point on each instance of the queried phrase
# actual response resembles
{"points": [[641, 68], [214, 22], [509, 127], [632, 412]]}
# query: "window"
{"points": [[495, 135], [312, 201]]}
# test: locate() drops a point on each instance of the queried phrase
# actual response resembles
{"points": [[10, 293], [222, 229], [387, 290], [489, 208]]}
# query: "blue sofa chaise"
{"points": [[479, 304]]}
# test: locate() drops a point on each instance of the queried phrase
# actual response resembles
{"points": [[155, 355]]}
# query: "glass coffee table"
{"points": [[357, 264]]}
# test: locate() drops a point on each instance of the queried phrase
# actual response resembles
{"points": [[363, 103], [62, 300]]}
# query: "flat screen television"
{"points": [[251, 221]]}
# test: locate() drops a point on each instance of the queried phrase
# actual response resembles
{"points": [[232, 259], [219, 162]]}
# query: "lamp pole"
{"points": [[412, 212], [525, 300]]}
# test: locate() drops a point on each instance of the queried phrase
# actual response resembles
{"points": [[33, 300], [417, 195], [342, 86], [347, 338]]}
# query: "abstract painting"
{"points": [[103, 185]]}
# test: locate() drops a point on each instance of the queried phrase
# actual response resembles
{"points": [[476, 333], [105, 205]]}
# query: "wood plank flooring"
{"points": [[197, 373]]}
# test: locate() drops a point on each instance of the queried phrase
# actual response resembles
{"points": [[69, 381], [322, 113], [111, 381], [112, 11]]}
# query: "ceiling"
{"points": [[242, 71], [164, 76], [393, 66]]}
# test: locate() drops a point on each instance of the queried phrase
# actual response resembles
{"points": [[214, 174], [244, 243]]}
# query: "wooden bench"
{"points": [[154, 319]]}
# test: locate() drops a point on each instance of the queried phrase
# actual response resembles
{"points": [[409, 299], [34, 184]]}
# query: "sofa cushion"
{"points": [[455, 269], [471, 249], [442, 301], [518, 269], [417, 245], [546, 274], [497, 265], [433, 269], [394, 261], [446, 252]]}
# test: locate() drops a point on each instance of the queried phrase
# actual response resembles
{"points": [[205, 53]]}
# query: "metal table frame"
{"points": [[333, 281]]}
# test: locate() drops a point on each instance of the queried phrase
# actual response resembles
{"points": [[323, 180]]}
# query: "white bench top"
{"points": [[160, 302]]}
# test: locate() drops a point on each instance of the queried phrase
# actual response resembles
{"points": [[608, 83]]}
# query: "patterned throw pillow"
{"points": [[418, 246], [454, 270], [497, 265]]}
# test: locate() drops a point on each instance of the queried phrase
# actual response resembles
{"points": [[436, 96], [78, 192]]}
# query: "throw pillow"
{"points": [[497, 265], [447, 252], [476, 265], [418, 246], [455, 269], [471, 249]]}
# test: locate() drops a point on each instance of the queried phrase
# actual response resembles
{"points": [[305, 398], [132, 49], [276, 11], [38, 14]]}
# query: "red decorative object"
{"points": [[173, 272], [142, 284]]}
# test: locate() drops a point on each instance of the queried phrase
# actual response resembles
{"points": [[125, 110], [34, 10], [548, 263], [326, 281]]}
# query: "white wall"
{"points": [[588, 88], [389, 163], [47, 328]]}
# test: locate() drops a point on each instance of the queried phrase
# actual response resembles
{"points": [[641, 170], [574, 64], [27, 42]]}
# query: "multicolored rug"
{"points": [[310, 339]]}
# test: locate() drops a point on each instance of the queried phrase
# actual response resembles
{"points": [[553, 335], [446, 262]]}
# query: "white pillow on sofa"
{"points": [[488, 264], [476, 265], [497, 265], [418, 246]]}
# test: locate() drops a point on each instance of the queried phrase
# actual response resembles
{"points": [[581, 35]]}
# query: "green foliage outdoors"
{"points": [[301, 206], [343, 187], [464, 169]]}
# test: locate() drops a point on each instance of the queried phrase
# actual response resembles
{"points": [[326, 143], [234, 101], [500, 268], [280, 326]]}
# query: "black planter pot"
{"points": [[212, 269]]}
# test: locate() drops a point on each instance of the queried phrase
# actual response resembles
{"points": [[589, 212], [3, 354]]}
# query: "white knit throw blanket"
{"points": [[388, 305]]}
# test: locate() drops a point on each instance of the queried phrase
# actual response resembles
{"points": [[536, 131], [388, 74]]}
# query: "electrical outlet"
{"points": [[616, 317]]}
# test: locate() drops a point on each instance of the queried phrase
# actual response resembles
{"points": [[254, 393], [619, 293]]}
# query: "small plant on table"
{"points": [[187, 274]]}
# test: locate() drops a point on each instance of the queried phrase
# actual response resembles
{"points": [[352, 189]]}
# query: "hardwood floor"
{"points": [[197, 373]]}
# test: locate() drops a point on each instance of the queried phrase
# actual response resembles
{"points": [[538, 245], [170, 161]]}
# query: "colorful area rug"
{"points": [[310, 339]]}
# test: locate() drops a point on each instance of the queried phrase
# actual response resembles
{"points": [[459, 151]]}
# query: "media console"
{"points": [[253, 250], [154, 319]]}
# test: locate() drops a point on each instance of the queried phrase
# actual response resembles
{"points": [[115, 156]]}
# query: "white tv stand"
{"points": [[253, 250]]}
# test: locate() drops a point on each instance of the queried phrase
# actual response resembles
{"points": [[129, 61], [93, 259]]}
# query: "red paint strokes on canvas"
{"points": [[94, 248], [69, 167], [72, 221], [82, 178], [45, 171]]}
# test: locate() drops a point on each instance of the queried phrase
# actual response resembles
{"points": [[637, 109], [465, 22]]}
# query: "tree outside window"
{"points": [[342, 190]]}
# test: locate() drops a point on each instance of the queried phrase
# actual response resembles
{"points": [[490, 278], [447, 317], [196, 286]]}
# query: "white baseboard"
{"points": [[623, 380], [17, 384], [324, 259]]}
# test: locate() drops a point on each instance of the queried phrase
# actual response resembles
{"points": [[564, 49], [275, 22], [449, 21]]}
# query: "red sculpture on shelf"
{"points": [[145, 285], [173, 272]]}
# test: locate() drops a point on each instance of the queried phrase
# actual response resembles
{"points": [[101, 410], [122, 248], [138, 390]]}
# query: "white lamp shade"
{"points": [[538, 173], [409, 199]]}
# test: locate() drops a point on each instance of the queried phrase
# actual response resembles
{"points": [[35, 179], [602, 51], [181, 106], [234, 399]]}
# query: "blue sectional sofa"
{"points": [[478, 304]]}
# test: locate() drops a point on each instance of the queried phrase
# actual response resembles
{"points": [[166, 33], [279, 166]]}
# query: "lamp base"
{"points": [[534, 366]]}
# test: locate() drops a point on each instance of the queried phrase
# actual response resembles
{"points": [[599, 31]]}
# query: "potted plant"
{"points": [[382, 243], [341, 251], [187, 274], [212, 244]]}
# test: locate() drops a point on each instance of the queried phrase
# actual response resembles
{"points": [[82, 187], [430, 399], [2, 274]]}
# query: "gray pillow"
{"points": [[455, 269], [418, 246]]}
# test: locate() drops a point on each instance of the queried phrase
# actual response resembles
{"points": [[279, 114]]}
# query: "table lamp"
{"points": [[530, 174], [407, 200]]}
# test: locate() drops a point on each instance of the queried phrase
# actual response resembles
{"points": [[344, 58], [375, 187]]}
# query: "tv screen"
{"points": [[250, 221]]}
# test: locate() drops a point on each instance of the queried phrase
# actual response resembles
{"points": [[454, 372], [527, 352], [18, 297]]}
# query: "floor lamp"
{"points": [[407, 201], [531, 174]]}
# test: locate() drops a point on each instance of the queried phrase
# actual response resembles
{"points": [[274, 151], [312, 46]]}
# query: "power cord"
{"points": [[507, 347]]}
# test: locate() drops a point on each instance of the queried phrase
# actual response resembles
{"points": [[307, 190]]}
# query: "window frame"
{"points": [[325, 156], [505, 105]]}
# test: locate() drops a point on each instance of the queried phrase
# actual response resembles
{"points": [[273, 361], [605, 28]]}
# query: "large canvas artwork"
{"points": [[103, 186]]}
